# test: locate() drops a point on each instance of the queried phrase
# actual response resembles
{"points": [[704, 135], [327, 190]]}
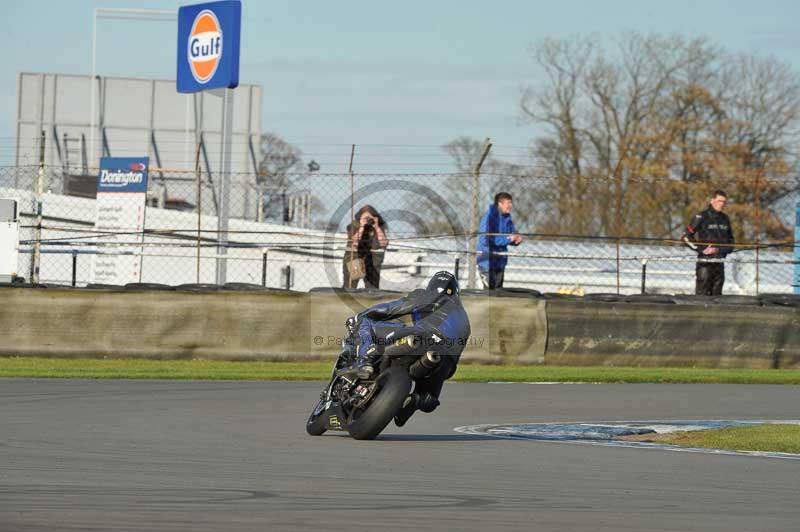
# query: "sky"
{"points": [[415, 74]]}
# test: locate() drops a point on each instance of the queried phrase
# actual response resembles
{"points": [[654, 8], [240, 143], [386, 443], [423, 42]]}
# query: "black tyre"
{"points": [[148, 286], [691, 299], [785, 300], [736, 300], [649, 298], [605, 298], [243, 287], [102, 286], [395, 384], [516, 292], [195, 287], [561, 297], [315, 426]]}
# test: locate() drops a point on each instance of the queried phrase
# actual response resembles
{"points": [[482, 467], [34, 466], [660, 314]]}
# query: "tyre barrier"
{"points": [[244, 321], [22, 285], [195, 287], [691, 299], [561, 297], [103, 286], [243, 287], [605, 298], [736, 300], [148, 286], [649, 298], [358, 291], [785, 300], [512, 292]]}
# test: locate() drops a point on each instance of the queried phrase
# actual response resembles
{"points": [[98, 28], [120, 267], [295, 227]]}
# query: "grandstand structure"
{"points": [[136, 117]]}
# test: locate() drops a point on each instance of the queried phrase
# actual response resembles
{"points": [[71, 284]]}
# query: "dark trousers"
{"points": [[492, 279], [710, 278], [372, 280]]}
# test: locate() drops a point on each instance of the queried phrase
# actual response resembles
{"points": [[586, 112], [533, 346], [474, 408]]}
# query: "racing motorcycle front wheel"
{"points": [[315, 426]]}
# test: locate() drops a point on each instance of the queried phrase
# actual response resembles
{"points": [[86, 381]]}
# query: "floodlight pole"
{"points": [[474, 226]]}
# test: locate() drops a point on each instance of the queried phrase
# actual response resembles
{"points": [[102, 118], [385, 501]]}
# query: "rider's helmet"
{"points": [[444, 282]]}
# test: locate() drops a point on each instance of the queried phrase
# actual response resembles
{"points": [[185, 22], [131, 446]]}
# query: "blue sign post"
{"points": [[208, 60], [796, 282]]}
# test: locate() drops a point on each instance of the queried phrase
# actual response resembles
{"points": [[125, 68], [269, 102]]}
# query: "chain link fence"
{"points": [[288, 231]]}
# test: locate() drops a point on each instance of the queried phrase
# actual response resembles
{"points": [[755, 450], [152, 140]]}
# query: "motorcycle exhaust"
{"points": [[431, 359], [426, 363]]}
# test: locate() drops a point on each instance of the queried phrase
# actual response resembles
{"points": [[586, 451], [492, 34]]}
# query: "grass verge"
{"points": [[776, 438], [28, 367]]}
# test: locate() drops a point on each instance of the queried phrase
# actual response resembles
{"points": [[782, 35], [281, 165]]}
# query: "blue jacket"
{"points": [[494, 222]]}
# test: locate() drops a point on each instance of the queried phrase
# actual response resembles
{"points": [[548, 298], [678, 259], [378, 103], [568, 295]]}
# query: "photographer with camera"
{"points": [[366, 242]]}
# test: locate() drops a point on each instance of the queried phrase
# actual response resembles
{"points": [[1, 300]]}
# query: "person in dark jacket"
{"points": [[497, 232], [366, 240], [438, 313], [711, 236]]}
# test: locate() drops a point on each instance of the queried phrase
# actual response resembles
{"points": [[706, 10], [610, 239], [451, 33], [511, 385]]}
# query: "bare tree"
{"points": [[457, 189], [279, 160], [281, 173], [638, 134]]}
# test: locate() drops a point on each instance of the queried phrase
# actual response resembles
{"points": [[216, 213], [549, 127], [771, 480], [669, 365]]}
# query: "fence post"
{"points": [[352, 245], [797, 252], [644, 276], [37, 237], [264, 268], [288, 270], [198, 176], [758, 229], [458, 259], [475, 215], [74, 267]]}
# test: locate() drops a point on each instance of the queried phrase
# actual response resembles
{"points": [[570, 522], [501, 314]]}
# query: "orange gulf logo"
{"points": [[204, 48]]}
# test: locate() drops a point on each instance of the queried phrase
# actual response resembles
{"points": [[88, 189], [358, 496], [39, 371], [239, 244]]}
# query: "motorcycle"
{"points": [[364, 407]]}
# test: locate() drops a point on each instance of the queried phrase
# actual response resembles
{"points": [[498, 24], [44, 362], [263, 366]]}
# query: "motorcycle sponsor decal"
{"points": [[334, 423], [613, 433]]}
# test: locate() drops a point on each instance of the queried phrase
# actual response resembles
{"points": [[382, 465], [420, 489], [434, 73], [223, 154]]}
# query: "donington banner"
{"points": [[119, 219]]}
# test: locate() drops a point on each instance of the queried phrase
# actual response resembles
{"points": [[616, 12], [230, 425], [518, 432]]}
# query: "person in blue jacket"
{"points": [[497, 231]]}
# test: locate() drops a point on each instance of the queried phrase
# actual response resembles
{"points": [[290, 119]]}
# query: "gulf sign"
{"points": [[123, 174], [208, 46], [205, 46]]}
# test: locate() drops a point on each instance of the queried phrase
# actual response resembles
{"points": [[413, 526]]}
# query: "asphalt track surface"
{"points": [[234, 456]]}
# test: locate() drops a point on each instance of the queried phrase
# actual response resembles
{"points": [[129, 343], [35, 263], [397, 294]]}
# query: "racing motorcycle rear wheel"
{"points": [[394, 386]]}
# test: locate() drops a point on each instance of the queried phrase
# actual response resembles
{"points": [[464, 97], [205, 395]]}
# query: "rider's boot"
{"points": [[367, 362], [425, 402], [364, 366], [407, 410]]}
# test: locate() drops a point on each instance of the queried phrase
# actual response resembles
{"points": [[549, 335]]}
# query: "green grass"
{"points": [[767, 437], [27, 367]]}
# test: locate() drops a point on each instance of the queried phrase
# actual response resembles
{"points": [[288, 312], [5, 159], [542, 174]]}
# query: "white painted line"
{"points": [[604, 433]]}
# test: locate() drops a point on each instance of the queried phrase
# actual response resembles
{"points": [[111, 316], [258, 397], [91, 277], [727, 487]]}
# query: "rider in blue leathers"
{"points": [[437, 310]]}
